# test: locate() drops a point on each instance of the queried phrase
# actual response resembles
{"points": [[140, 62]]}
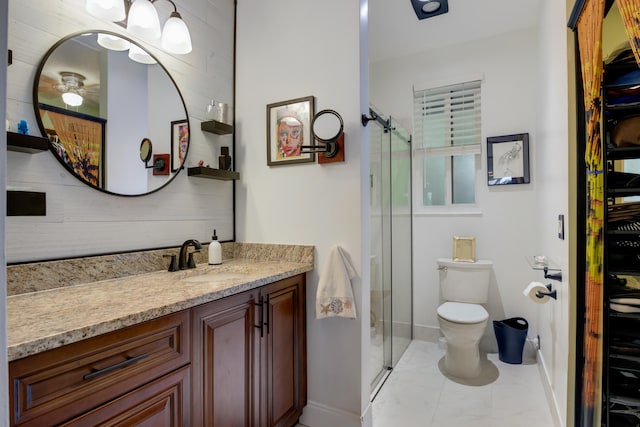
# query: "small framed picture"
{"points": [[179, 143], [288, 128], [464, 249], [508, 159]]}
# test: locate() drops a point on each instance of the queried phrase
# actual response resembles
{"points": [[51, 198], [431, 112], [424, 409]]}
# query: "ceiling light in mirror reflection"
{"points": [[71, 86]]}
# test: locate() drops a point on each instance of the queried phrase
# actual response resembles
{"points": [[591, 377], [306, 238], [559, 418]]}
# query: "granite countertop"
{"points": [[43, 320]]}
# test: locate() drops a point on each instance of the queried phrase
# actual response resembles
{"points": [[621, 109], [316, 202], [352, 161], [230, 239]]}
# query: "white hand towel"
{"points": [[334, 296]]}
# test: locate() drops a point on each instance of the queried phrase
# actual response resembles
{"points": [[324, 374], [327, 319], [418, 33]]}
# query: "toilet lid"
{"points": [[460, 312]]}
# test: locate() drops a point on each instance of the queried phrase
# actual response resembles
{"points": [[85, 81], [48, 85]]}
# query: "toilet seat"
{"points": [[460, 312]]}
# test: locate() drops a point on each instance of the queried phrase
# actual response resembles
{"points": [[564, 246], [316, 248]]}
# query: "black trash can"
{"points": [[511, 335]]}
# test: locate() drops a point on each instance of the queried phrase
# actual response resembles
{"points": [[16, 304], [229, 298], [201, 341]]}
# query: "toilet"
{"points": [[464, 286]]}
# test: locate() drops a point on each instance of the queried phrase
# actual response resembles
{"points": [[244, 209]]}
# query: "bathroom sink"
{"points": [[214, 277]]}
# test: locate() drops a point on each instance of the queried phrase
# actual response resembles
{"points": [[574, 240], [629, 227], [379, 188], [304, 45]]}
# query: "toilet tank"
{"points": [[464, 281]]}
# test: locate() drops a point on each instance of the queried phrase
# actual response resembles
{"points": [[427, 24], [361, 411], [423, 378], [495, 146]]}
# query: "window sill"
{"points": [[448, 211]]}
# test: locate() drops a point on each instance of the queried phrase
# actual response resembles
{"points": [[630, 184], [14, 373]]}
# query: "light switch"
{"points": [[561, 227]]}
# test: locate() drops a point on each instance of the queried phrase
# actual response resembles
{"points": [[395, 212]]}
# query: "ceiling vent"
{"points": [[427, 8]]}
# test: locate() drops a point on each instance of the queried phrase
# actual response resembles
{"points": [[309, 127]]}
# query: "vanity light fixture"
{"points": [[428, 8], [142, 20]]}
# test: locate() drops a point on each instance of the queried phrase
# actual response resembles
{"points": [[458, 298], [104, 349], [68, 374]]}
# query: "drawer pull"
{"points": [[122, 364]]}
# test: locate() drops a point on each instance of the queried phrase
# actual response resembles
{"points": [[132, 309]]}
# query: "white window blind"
{"points": [[448, 117], [447, 146]]}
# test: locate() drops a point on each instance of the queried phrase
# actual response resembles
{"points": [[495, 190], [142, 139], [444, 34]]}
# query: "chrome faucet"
{"points": [[184, 249]]}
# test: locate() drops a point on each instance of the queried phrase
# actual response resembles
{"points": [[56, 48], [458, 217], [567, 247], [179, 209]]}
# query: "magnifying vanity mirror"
{"points": [[327, 126], [96, 104]]}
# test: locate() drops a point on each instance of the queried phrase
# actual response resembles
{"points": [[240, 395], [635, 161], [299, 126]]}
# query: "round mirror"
{"points": [[145, 150], [96, 99], [327, 126]]}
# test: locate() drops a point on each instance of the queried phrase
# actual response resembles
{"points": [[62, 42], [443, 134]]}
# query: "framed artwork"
{"points": [[288, 128], [464, 249], [179, 143], [508, 159]]}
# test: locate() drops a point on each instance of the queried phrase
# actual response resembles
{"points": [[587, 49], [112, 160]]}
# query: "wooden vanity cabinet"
{"points": [[249, 357], [100, 374], [239, 361]]}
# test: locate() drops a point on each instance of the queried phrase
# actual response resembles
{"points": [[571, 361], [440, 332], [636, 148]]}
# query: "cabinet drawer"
{"points": [[57, 385], [161, 403]]}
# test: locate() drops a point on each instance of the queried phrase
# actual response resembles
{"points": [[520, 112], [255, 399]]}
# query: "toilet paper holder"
{"points": [[553, 293]]}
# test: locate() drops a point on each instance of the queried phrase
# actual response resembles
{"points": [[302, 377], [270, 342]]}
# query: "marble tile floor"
{"points": [[418, 394]]}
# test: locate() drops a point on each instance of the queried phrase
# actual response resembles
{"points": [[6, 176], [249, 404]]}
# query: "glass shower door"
{"points": [[401, 246], [391, 265], [380, 350]]}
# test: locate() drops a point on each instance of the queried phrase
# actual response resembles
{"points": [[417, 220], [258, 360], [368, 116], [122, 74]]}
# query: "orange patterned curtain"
{"points": [[590, 40], [81, 143], [630, 12]]}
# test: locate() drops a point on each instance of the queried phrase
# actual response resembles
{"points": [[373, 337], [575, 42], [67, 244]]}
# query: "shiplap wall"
{"points": [[83, 221]]}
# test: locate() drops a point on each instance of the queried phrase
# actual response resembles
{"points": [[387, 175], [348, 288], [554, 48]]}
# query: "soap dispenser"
{"points": [[215, 250]]}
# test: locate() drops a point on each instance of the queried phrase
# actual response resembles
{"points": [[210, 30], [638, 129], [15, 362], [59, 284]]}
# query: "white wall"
{"points": [[81, 221], [127, 123], [505, 229], [552, 169], [288, 49]]}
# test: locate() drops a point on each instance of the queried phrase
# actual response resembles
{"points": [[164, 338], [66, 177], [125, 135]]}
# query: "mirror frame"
{"points": [[36, 108]]}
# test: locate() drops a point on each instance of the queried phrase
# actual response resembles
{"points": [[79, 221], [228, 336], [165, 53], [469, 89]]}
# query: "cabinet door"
{"points": [[162, 403], [223, 362], [283, 351]]}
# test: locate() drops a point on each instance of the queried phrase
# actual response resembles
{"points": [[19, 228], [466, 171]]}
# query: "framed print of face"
{"points": [[288, 128], [179, 143]]}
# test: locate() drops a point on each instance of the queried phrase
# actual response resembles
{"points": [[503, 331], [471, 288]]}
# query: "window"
{"points": [[447, 145]]}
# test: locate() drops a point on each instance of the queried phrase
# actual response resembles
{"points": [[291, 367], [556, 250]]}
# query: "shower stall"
{"points": [[391, 246]]}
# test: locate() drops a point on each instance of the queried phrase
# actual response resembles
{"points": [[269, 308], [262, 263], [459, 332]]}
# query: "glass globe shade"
{"points": [[143, 20], [175, 35], [72, 99], [139, 55], [112, 42], [113, 10]]}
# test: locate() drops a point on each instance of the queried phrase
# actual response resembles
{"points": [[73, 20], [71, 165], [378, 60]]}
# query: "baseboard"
{"points": [[548, 391], [367, 416], [318, 415], [426, 333]]}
